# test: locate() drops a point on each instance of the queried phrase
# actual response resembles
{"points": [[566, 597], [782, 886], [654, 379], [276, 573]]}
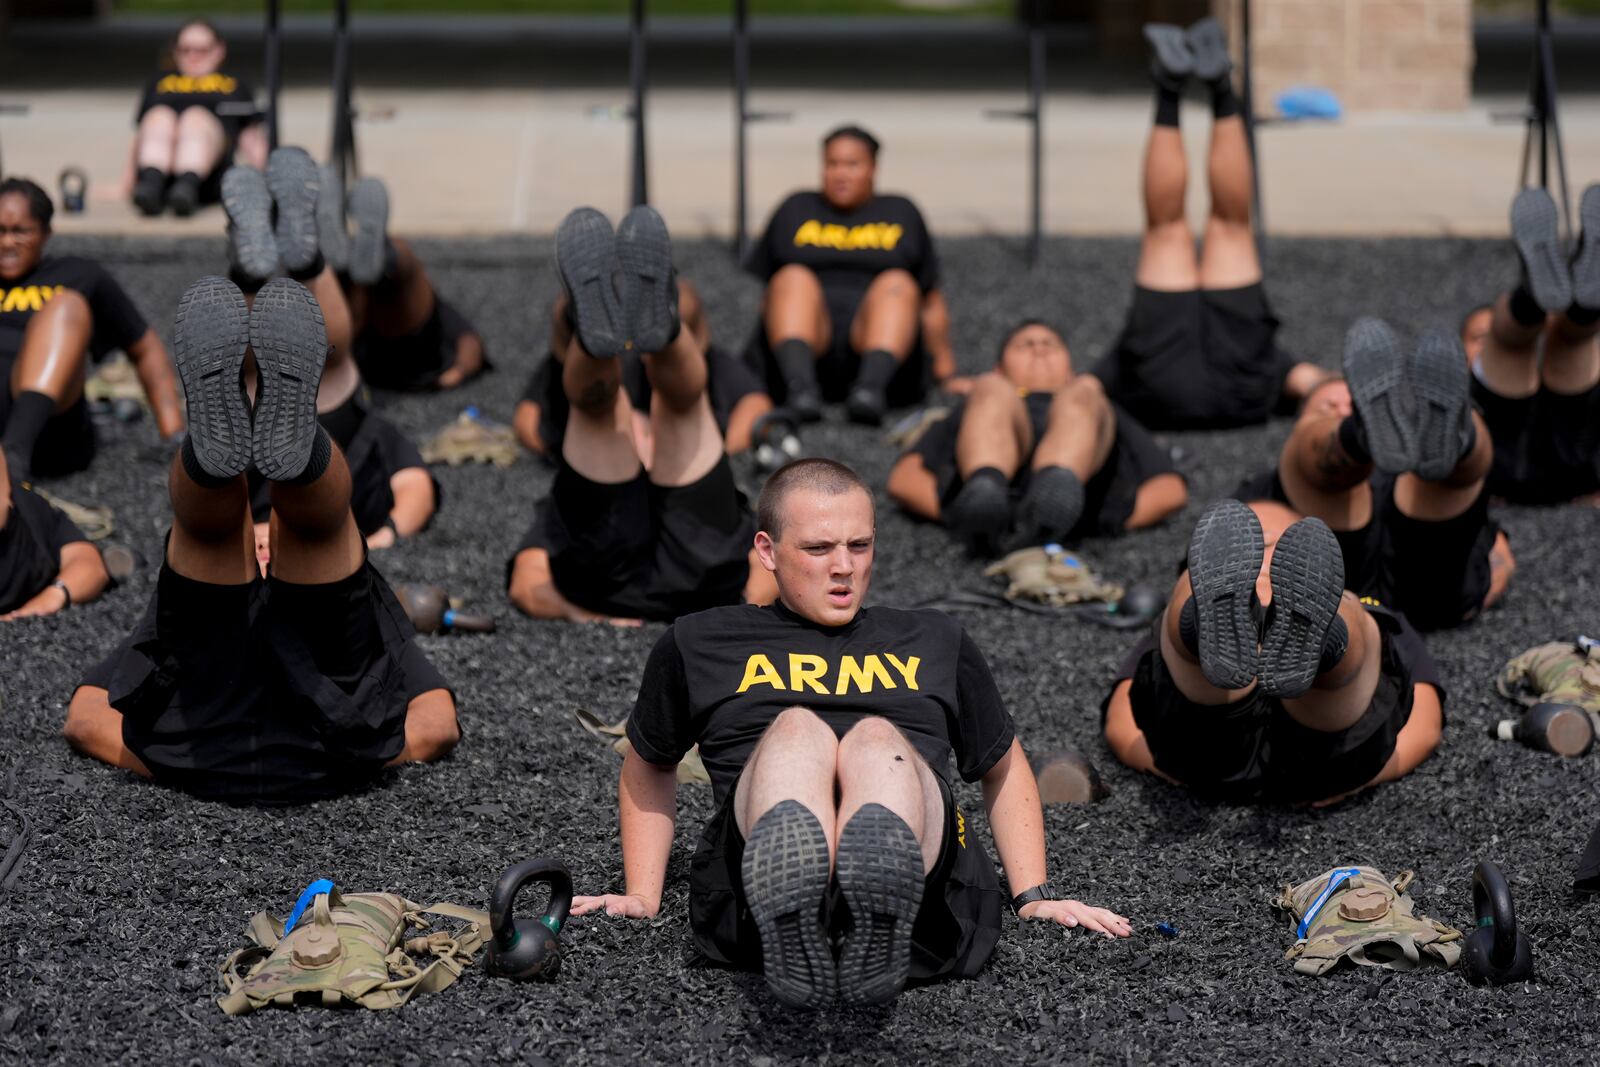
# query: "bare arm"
{"points": [[742, 419], [160, 382], [647, 800], [414, 504], [935, 323], [525, 420], [1016, 818], [82, 572], [913, 486]]}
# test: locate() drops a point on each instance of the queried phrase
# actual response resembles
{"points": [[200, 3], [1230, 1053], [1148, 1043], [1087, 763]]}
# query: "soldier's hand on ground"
{"points": [[383, 537], [958, 384], [628, 907], [1076, 913]]}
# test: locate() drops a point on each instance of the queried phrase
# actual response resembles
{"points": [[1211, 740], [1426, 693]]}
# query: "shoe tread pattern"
{"points": [[1442, 403], [881, 880], [1586, 264], [1536, 231], [1307, 585], [369, 210], [209, 335], [1225, 554], [785, 873], [1375, 371], [248, 205], [293, 180], [586, 262], [649, 289], [290, 343]]}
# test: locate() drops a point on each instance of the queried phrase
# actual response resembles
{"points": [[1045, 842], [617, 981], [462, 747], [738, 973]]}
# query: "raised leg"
{"points": [[1228, 257], [156, 142], [201, 140], [995, 431], [877, 765], [796, 759], [1166, 254], [793, 308], [1081, 430]]}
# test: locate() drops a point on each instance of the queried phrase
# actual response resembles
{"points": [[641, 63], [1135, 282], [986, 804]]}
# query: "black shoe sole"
{"points": [[248, 204], [1052, 506], [1586, 264], [1208, 47], [290, 343], [1307, 584], [1225, 554], [1536, 231], [806, 405], [586, 261], [332, 237], [864, 408], [785, 873], [184, 199], [369, 210], [1375, 370], [209, 336], [881, 880], [649, 295], [293, 181], [980, 515], [1172, 62], [1441, 403]]}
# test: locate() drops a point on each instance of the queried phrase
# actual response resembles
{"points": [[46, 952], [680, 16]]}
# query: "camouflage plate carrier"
{"points": [[351, 949], [1051, 575], [1356, 913], [471, 438], [1557, 673]]}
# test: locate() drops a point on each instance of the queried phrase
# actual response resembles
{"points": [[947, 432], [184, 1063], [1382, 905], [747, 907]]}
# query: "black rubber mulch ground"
{"points": [[130, 895]]}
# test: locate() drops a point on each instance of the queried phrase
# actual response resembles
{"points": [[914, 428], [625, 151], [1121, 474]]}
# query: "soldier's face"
{"points": [[1036, 359], [21, 237], [823, 559], [848, 170]]}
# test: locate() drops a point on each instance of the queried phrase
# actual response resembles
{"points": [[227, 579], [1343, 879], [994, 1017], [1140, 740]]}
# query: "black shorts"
{"points": [[1546, 446], [1197, 359], [838, 367], [268, 692], [415, 360], [639, 550], [1254, 750], [955, 931]]}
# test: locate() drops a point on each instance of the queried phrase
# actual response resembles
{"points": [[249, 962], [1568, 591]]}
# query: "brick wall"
{"points": [[1375, 54]]}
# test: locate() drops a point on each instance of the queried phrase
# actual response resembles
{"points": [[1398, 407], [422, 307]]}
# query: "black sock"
{"points": [[391, 259], [1189, 627], [188, 177], [994, 474], [1524, 308], [191, 466], [317, 465], [877, 367], [797, 363], [1582, 316], [1353, 439], [311, 271], [29, 413], [1334, 645], [1224, 104], [1167, 101]]}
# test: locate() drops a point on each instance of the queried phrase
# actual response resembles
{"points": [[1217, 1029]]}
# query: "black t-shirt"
{"points": [[117, 322], [30, 547], [718, 678], [376, 452], [846, 249], [210, 91]]}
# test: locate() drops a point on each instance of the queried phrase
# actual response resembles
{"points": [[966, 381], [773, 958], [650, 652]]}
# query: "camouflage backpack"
{"points": [[1356, 913], [351, 949], [1557, 673], [1050, 575]]}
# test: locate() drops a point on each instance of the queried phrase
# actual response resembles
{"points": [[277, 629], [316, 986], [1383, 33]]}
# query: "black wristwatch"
{"points": [[1043, 891], [64, 592]]}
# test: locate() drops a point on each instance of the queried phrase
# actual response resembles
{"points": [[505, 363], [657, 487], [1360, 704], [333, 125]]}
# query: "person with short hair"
{"points": [[192, 119], [1036, 453], [46, 563], [57, 315], [829, 730], [852, 310]]}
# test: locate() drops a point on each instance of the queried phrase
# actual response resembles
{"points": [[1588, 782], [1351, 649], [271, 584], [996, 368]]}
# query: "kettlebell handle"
{"points": [[1491, 901], [502, 918]]}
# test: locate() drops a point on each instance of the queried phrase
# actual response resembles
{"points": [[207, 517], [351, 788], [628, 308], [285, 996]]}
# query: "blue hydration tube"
{"points": [[1340, 876], [311, 893]]}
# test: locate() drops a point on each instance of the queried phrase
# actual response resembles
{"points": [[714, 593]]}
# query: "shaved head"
{"points": [[822, 476]]}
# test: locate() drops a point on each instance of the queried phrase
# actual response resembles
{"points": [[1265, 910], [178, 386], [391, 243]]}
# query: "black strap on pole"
{"points": [[636, 71], [1033, 114], [743, 117], [342, 151], [274, 73], [1247, 104], [1541, 115]]}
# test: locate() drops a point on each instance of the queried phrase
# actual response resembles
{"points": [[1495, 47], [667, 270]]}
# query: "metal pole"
{"points": [[342, 148], [636, 64], [1247, 104], [741, 92], [1036, 107], [273, 65]]}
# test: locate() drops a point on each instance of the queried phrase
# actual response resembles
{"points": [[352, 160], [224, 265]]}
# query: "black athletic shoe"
{"points": [[586, 264], [1442, 411], [1536, 231], [775, 440], [785, 873], [208, 345], [1375, 370], [881, 880], [648, 284], [293, 179], [980, 514], [332, 237], [865, 405], [184, 196], [150, 191], [290, 344], [1586, 261], [1225, 554], [1307, 584], [1171, 61], [252, 249], [1051, 508], [369, 248], [1208, 50]]}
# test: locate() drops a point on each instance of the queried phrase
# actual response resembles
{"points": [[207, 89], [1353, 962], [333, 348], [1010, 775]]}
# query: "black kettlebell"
{"points": [[1496, 952], [74, 185], [524, 949]]}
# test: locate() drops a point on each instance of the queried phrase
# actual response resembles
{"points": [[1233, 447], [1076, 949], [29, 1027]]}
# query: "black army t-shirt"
{"points": [[846, 249], [30, 547], [718, 678], [117, 322], [210, 91]]}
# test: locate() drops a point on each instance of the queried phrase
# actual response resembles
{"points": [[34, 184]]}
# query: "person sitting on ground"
{"points": [[46, 563], [853, 309], [393, 494], [1198, 349], [1320, 696], [738, 399], [1036, 453], [1393, 458], [57, 313], [616, 538], [191, 121], [277, 687], [407, 337], [829, 730], [1536, 377], [1475, 327]]}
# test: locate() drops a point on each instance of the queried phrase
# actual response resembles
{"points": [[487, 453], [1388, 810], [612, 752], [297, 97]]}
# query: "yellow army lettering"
{"points": [[208, 83], [808, 673], [961, 829], [881, 235], [27, 297]]}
